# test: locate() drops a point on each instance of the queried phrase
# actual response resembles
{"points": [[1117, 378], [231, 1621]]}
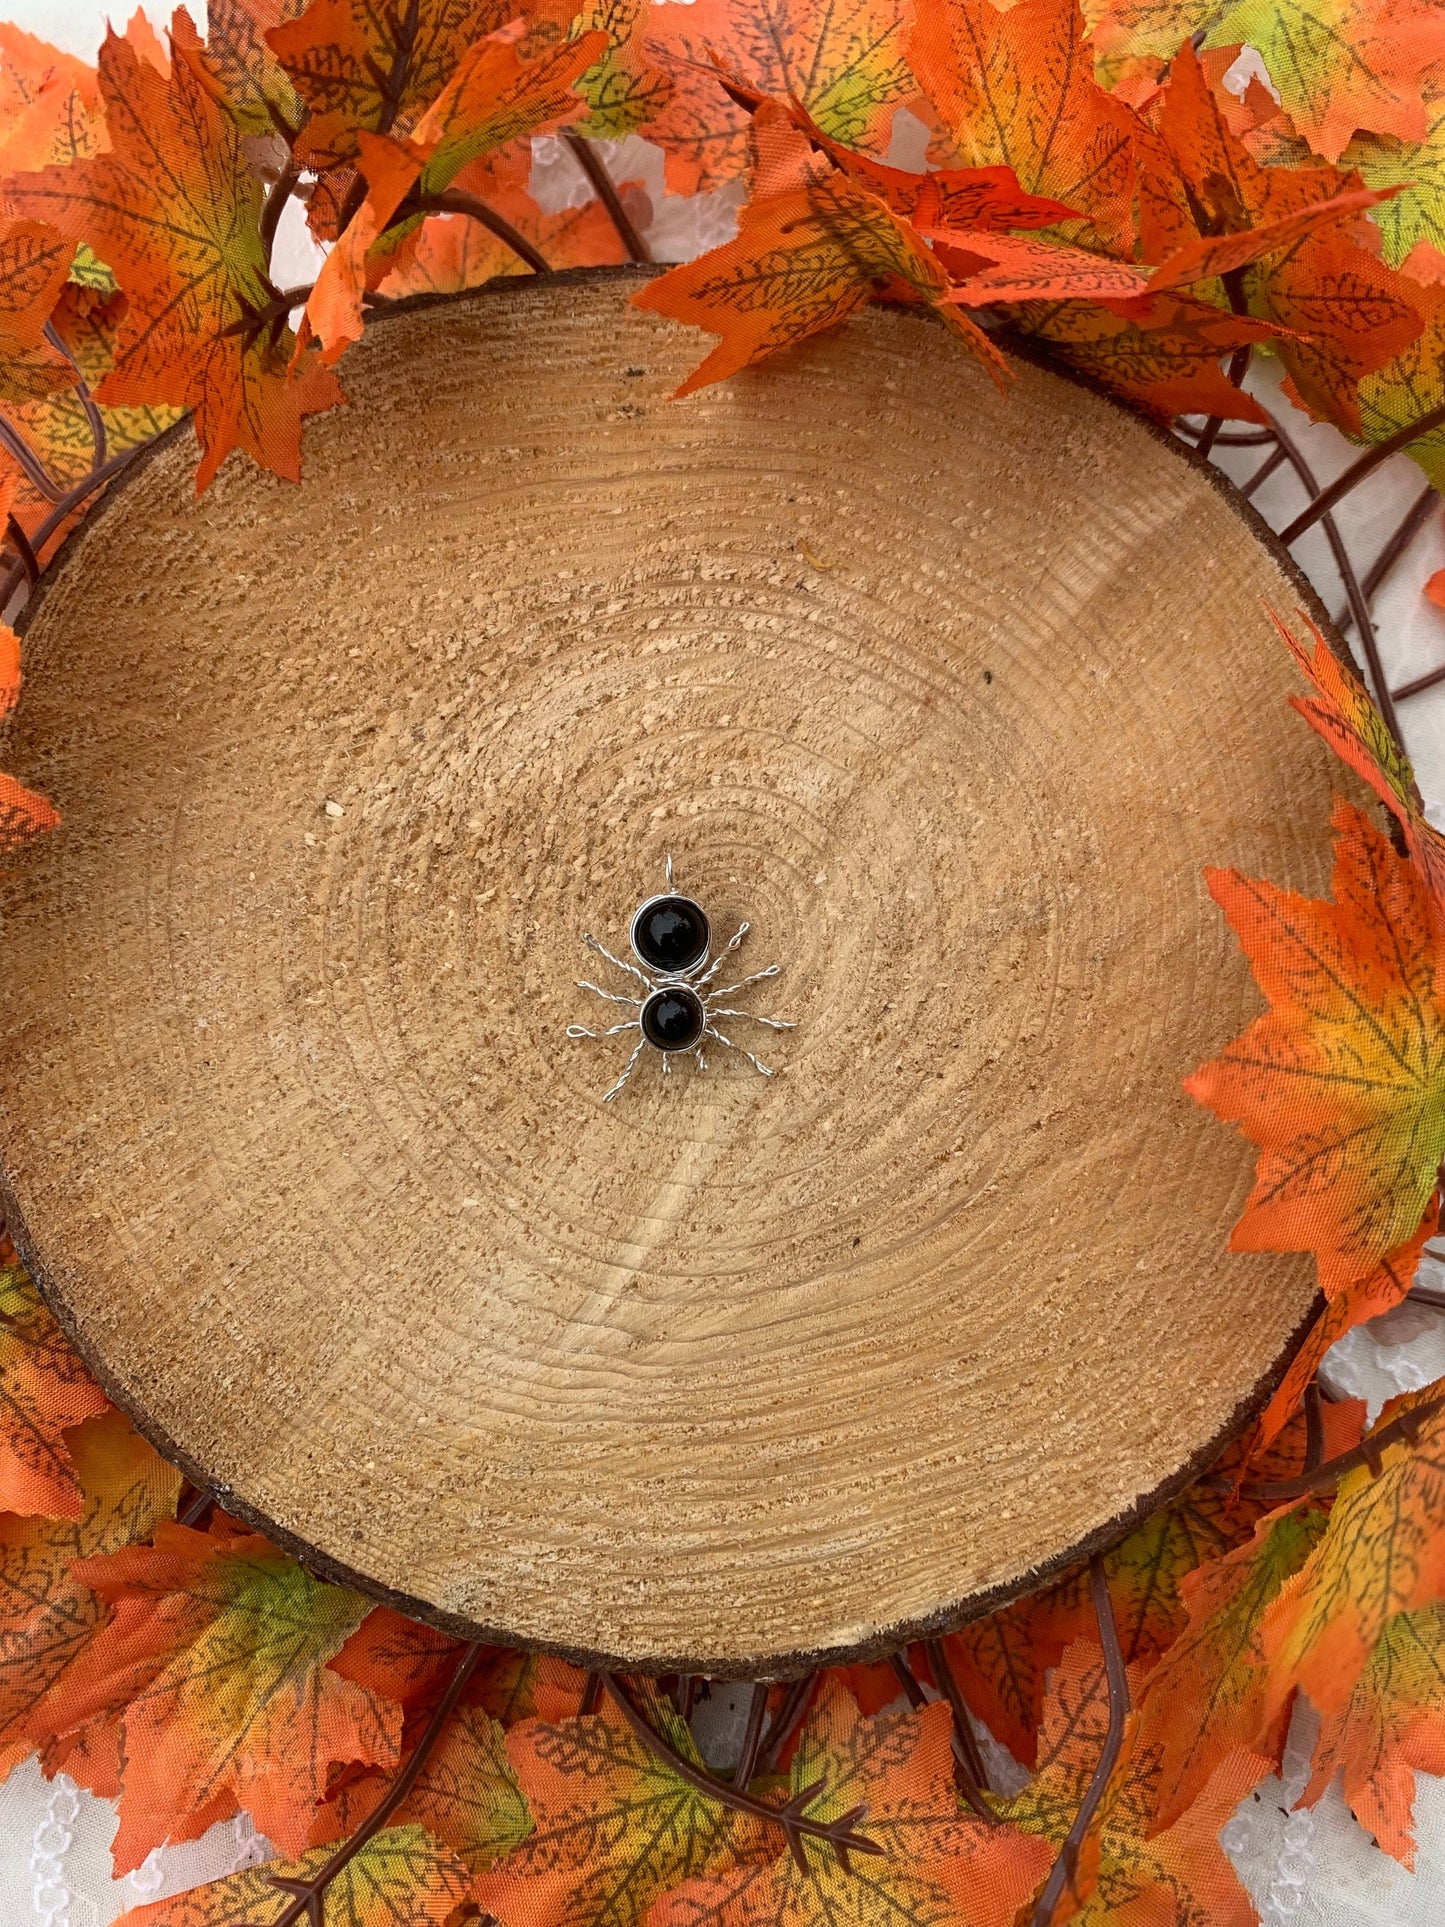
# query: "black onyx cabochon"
{"points": [[672, 1019], [670, 934]]}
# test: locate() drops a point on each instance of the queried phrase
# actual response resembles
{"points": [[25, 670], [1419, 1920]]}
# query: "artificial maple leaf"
{"points": [[1368, 1297], [1024, 269], [614, 1827], [1342, 1082], [1160, 352], [362, 67], [1391, 1725], [215, 1655], [453, 253], [49, 104], [1135, 33], [804, 260], [1409, 386], [843, 60], [1208, 1693], [1292, 237], [34, 265], [626, 88], [501, 91], [934, 1867], [1342, 65], [27, 1394], [47, 1614], [1129, 1869], [401, 1877], [260, 97], [173, 209], [1018, 89], [467, 1794], [44, 1388], [1382, 1553], [1412, 224], [1340, 710], [1002, 1661]]}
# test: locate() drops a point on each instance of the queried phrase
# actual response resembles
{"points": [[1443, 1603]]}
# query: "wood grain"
{"points": [[950, 694]]}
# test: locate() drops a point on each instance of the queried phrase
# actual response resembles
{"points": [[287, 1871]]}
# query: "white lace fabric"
{"points": [[1303, 1867]]}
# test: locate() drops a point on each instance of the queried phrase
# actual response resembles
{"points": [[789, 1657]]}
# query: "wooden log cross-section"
{"points": [[950, 694]]}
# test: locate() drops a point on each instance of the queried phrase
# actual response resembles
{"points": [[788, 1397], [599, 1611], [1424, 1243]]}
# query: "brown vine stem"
{"points": [[967, 1780], [453, 201], [963, 1725], [1423, 1295], [752, 1735], [790, 1715], [35, 470], [1365, 465], [1369, 1452], [308, 1896], [95, 421], [1063, 1867], [837, 1835], [1358, 602], [17, 535], [66, 507], [1390, 554], [1420, 684], [281, 192], [590, 161]]}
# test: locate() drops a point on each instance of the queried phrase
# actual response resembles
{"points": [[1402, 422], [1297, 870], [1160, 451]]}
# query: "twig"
{"points": [[1368, 641], [792, 1817], [95, 421], [22, 548], [1420, 684], [1063, 1867], [590, 161], [1262, 474], [35, 470], [307, 1894], [1403, 536], [1423, 1295], [790, 1715], [963, 1725], [1368, 1452], [752, 1735], [1365, 465], [454, 201], [281, 192]]}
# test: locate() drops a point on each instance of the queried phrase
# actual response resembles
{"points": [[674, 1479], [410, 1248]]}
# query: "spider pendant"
{"points": [[671, 937]]}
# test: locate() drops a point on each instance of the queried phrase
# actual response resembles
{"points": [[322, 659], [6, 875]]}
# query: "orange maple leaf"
{"points": [[1017, 88], [401, 1877], [615, 1827], [501, 91], [626, 88], [173, 209], [894, 1774], [1129, 1869], [1340, 710], [1002, 1661], [1343, 65], [261, 99], [1382, 1553], [1342, 1082], [1286, 232], [360, 67], [1378, 1291], [214, 1656], [1024, 269], [1391, 1726], [1159, 352], [805, 259], [49, 104], [48, 1615], [44, 1390], [842, 60], [1208, 1693]]}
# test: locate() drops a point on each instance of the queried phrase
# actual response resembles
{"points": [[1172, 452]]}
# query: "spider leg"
{"points": [[616, 1030], [773, 1023], [631, 969], [761, 1068], [717, 963], [639, 1048], [758, 976], [611, 995]]}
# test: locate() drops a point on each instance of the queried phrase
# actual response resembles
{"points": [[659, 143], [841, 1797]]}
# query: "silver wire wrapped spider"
{"points": [[670, 937]]}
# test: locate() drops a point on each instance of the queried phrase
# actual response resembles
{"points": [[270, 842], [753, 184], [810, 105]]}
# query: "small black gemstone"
{"points": [[670, 934], [673, 1019]]}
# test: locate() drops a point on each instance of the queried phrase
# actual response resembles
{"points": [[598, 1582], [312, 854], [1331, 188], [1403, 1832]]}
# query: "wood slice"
{"points": [[950, 694]]}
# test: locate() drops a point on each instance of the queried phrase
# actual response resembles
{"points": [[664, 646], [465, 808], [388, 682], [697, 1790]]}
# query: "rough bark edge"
{"points": [[787, 1664]]}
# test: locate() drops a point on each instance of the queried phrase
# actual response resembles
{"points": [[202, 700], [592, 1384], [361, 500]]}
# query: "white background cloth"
{"points": [[1314, 1868]]}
